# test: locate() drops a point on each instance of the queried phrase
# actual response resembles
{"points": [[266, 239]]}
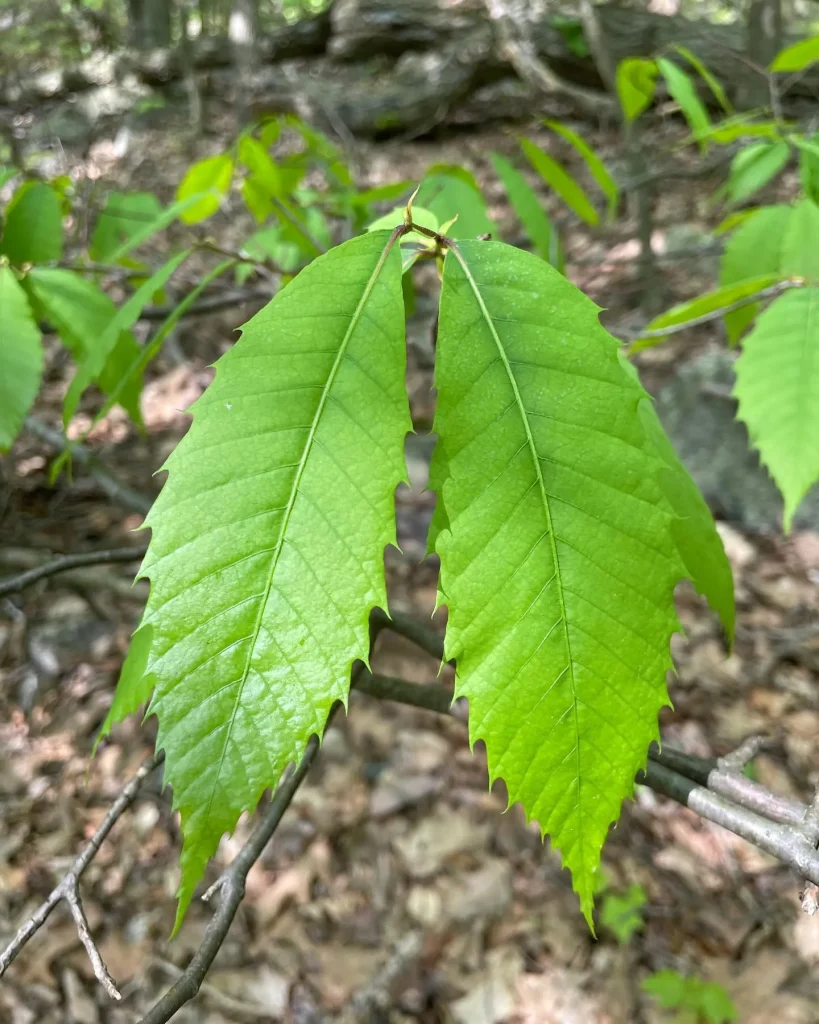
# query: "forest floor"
{"points": [[395, 831]]}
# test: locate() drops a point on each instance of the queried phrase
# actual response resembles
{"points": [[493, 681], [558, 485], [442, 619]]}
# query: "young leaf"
{"points": [[636, 81], [597, 169], [124, 214], [208, 179], [96, 356], [798, 56], [683, 91], [21, 357], [561, 182], [754, 166], [530, 212], [754, 250], [33, 229], [710, 80], [558, 565], [413, 242], [268, 538], [452, 190], [778, 392], [81, 312], [703, 305]]}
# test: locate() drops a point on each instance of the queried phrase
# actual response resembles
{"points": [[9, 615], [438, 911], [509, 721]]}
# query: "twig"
{"points": [[419, 634], [764, 293], [64, 562], [68, 888], [231, 889], [374, 996], [790, 843], [210, 304], [114, 488]]}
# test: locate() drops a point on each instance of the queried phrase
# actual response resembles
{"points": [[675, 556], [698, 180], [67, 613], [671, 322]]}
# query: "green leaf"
{"points": [[740, 126], [808, 164], [33, 229], [636, 82], [81, 312], [683, 91], [268, 537], [754, 250], [383, 193], [561, 182], [777, 388], [621, 913], [21, 357], [452, 191], [529, 210], [168, 216], [719, 298], [695, 534], [208, 179], [798, 56], [558, 566], [754, 166], [96, 356], [800, 244], [668, 987], [716, 1005], [710, 80], [597, 169], [123, 216]]}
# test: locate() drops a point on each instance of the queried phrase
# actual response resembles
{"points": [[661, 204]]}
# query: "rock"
{"points": [[739, 551], [492, 999], [424, 905], [700, 416], [395, 792], [483, 893], [427, 848]]}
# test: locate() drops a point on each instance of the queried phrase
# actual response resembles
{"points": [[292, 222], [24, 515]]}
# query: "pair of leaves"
{"points": [[558, 552], [636, 83]]}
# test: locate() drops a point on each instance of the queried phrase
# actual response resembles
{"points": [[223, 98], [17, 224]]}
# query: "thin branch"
{"points": [[419, 634], [113, 487], [210, 304], [231, 889], [715, 314], [68, 888], [60, 564]]}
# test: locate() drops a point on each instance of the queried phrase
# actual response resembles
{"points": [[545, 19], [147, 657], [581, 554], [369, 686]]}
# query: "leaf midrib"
{"points": [[544, 496], [308, 445]]}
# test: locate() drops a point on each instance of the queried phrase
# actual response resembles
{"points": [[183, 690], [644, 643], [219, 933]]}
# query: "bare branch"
{"points": [[210, 304], [65, 562], [68, 888], [113, 487], [419, 634], [231, 889]]}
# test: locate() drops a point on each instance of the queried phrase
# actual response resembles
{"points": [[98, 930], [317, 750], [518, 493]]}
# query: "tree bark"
{"points": [[150, 23], [764, 41]]}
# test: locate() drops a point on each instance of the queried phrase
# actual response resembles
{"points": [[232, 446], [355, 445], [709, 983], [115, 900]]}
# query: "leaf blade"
{"points": [[528, 208], [21, 357], [284, 616], [561, 182], [540, 715], [597, 169]]}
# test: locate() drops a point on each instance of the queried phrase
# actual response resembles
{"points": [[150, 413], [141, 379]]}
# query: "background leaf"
{"points": [[81, 312], [754, 250], [710, 80], [123, 216], [754, 166], [446, 193], [798, 56], [21, 357], [682, 89], [268, 538], [636, 82], [564, 670], [529, 209], [209, 179], [597, 169], [777, 388], [33, 229], [561, 182]]}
